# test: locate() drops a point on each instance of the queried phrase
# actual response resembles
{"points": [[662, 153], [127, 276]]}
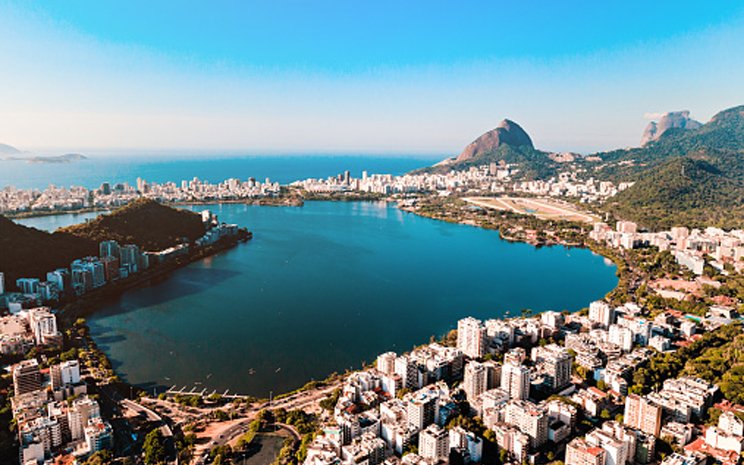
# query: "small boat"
{"points": [[251, 371], [278, 370]]}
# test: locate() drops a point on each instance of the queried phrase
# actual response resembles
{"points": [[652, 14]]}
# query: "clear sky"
{"points": [[354, 77]]}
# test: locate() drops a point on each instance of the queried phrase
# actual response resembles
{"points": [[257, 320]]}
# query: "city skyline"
{"points": [[340, 79]]}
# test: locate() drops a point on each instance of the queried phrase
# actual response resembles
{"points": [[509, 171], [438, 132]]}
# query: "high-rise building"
{"points": [[555, 362], [600, 312], [616, 450], [406, 368], [108, 249], [99, 435], [515, 379], [130, 257], [386, 363], [60, 277], [475, 381], [580, 452], [621, 337], [530, 419], [421, 409], [642, 414], [65, 373], [43, 324], [434, 443], [471, 337], [28, 285], [26, 377], [80, 413], [626, 227]]}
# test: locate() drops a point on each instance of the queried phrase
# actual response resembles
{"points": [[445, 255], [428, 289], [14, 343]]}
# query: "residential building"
{"points": [[642, 414], [471, 337], [515, 380], [434, 443], [580, 452], [26, 377]]}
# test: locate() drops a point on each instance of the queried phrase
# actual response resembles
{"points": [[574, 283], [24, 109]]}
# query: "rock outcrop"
{"points": [[506, 133], [667, 121]]}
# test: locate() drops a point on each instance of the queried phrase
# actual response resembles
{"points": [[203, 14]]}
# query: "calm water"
{"points": [[324, 287], [285, 169]]}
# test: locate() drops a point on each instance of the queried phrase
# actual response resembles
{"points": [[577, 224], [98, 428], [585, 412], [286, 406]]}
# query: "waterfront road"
{"points": [[226, 432]]}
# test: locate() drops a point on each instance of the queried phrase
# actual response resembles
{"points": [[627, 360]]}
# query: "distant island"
{"points": [[10, 153]]}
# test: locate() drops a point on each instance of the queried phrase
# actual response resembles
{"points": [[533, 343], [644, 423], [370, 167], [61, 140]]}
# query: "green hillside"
{"points": [[692, 177], [29, 253], [691, 190], [145, 223]]}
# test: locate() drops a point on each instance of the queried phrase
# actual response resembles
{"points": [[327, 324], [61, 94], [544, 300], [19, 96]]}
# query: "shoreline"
{"points": [[88, 307], [86, 304]]}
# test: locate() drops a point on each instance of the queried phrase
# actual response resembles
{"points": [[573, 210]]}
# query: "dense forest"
{"points": [[143, 222]]}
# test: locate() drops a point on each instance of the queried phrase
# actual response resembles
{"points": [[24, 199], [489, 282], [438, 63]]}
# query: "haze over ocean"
{"points": [[284, 169]]}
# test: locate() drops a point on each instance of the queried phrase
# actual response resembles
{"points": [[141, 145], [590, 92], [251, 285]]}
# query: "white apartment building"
{"points": [[471, 337]]}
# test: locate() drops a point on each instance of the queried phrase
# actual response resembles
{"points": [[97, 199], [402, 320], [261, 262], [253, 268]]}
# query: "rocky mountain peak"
{"points": [[667, 121], [506, 133]]}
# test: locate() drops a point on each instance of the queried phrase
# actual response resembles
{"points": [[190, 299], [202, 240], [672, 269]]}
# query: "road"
{"points": [[229, 431]]}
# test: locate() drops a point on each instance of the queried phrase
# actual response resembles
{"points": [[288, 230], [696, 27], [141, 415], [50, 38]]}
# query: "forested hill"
{"points": [[723, 134], [29, 253], [692, 177], [143, 222]]}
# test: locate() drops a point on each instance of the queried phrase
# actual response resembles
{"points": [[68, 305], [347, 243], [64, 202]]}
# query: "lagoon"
{"points": [[324, 287]]}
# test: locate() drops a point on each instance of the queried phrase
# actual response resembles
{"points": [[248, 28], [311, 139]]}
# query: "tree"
{"points": [[99, 458], [154, 447]]}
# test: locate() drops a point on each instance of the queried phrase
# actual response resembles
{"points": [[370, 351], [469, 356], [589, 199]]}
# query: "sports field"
{"points": [[543, 208]]}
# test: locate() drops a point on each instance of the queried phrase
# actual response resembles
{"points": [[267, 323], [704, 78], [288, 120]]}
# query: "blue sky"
{"points": [[357, 77]]}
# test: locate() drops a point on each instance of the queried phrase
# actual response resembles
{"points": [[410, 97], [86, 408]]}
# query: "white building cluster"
{"points": [[60, 199], [485, 178], [28, 328], [692, 249], [54, 414]]}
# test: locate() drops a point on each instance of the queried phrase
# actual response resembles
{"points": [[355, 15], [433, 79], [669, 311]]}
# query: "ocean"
{"points": [[92, 172]]}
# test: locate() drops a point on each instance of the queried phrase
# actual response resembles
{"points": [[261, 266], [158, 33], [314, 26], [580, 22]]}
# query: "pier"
{"points": [[203, 392]]}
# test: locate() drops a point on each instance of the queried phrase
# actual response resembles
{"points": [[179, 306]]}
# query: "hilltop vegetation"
{"points": [[693, 177], [695, 191], [27, 252], [144, 222]]}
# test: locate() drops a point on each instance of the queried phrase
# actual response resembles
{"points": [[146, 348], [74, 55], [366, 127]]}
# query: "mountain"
{"points": [[29, 252], [506, 133], [686, 176], [143, 222], [695, 190], [507, 143], [9, 150], [667, 121]]}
